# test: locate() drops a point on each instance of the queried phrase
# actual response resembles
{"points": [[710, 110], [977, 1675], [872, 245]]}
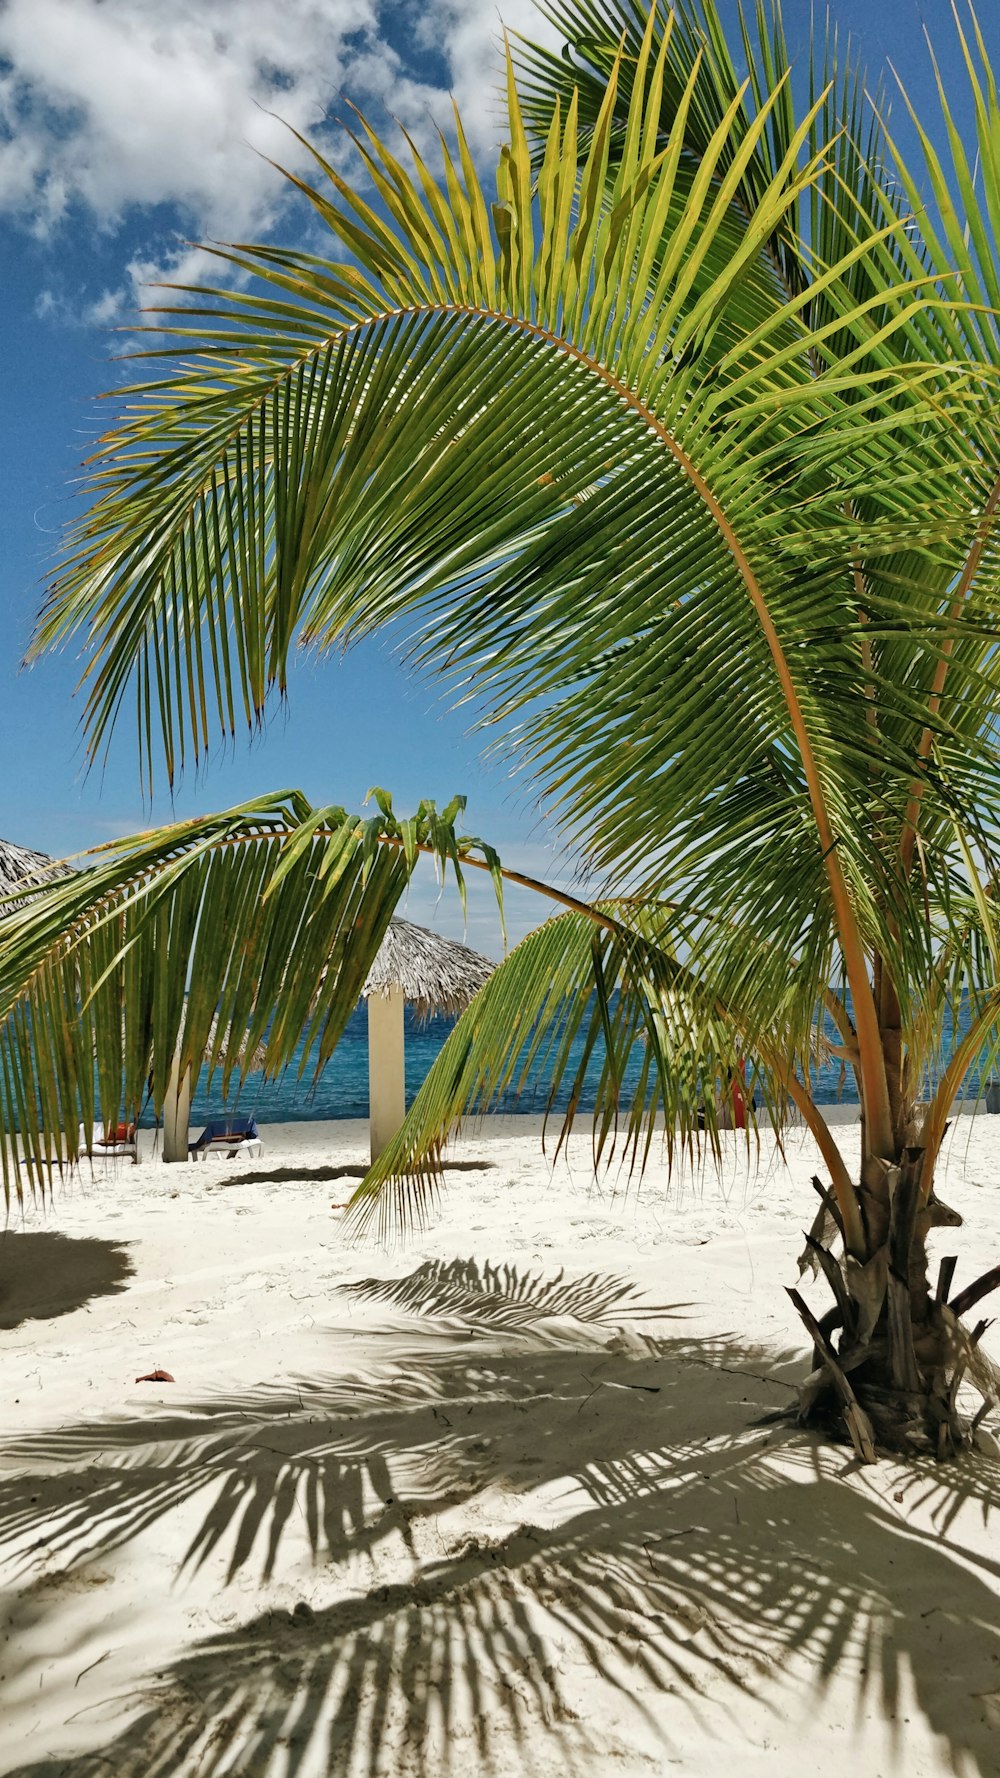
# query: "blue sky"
{"points": [[131, 130]]}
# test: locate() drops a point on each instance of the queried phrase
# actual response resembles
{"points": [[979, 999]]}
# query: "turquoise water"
{"points": [[342, 1091]]}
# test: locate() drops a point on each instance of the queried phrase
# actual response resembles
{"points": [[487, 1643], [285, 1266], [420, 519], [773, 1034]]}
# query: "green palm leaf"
{"points": [[205, 940], [598, 1002]]}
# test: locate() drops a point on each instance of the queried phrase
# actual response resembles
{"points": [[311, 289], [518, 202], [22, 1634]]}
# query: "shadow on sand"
{"points": [[291, 1174], [502, 1297], [43, 1273], [691, 1553]]}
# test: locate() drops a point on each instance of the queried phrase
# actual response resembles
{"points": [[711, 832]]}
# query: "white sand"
{"points": [[519, 1517]]}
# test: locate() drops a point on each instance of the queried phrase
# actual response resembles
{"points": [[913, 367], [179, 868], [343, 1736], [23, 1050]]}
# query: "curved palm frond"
{"points": [[854, 182], [357, 460], [863, 180], [600, 1001], [263, 920]]}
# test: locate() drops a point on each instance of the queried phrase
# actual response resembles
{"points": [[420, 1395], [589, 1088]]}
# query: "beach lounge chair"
{"points": [[118, 1143], [231, 1136]]}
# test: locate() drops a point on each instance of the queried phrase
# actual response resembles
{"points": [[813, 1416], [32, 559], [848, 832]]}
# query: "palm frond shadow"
{"points": [[501, 1296], [945, 1493], [691, 1554], [326, 1447]]}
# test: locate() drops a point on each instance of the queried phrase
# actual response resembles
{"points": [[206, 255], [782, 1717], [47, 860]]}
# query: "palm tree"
{"points": [[678, 459]]}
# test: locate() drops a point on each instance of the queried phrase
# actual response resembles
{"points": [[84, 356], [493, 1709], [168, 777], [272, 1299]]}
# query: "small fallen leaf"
{"points": [[155, 1377]]}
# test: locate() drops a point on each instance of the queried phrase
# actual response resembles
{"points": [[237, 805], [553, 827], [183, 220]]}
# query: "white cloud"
{"points": [[106, 309], [113, 308], [124, 102], [114, 106], [470, 33]]}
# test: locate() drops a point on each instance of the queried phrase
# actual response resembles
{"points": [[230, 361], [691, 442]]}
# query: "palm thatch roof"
{"points": [[21, 868], [247, 1063], [436, 974]]}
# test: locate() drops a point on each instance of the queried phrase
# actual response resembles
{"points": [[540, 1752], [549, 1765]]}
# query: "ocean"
{"points": [[342, 1090]]}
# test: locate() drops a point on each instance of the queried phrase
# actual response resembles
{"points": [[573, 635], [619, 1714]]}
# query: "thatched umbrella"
{"points": [[413, 965], [21, 868], [433, 974]]}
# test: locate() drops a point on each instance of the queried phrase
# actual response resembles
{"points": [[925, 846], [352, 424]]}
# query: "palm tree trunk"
{"points": [[890, 1356], [176, 1114]]}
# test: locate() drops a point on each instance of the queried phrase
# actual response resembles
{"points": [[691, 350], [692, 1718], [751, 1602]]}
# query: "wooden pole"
{"points": [[386, 1067]]}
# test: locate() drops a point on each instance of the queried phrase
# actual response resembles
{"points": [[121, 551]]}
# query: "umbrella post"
{"points": [[177, 1113], [386, 1067]]}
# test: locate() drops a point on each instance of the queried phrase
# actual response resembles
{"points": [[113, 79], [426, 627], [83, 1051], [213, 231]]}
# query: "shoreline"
{"points": [[496, 1125]]}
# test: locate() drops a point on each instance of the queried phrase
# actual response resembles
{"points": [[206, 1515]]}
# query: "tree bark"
{"points": [[891, 1356]]}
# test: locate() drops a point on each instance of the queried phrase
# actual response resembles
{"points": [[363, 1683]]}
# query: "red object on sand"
{"points": [[115, 1136], [155, 1377]]}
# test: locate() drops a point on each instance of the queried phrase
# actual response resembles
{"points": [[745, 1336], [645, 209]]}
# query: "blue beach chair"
{"points": [[230, 1135]]}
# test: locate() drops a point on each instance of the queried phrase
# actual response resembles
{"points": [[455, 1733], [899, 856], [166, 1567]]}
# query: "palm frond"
{"points": [[599, 1002], [221, 938]]}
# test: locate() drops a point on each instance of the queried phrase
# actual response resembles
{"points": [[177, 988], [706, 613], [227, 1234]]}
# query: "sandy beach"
{"points": [[500, 1499]]}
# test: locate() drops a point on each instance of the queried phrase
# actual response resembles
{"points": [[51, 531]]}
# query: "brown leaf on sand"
{"points": [[155, 1377]]}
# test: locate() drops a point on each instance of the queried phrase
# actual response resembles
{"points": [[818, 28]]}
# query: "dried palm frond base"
{"points": [[890, 1357]]}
